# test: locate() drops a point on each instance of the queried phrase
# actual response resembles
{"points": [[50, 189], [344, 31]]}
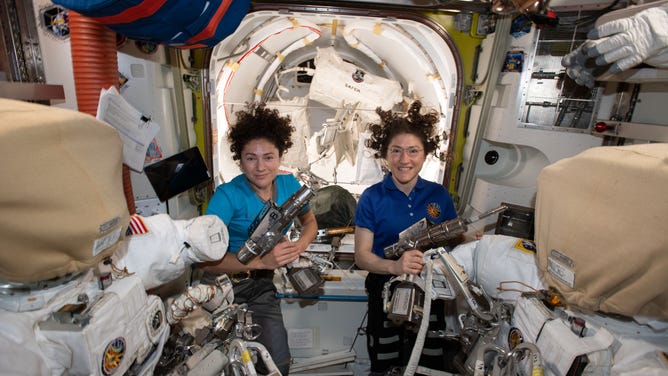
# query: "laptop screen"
{"points": [[177, 174]]}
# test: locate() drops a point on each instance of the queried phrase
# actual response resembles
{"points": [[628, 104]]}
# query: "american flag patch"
{"points": [[136, 226]]}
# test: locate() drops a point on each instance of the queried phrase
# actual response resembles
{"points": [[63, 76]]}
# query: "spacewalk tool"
{"points": [[423, 235], [307, 280], [267, 229], [405, 304]]}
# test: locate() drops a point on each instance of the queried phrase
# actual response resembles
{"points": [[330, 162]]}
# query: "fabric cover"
{"points": [[501, 261], [177, 23], [601, 229], [62, 204]]}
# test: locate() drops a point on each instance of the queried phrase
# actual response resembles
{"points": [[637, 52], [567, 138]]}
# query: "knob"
{"points": [[601, 127]]}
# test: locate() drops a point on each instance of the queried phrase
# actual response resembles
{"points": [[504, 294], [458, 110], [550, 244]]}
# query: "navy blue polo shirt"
{"points": [[386, 211]]}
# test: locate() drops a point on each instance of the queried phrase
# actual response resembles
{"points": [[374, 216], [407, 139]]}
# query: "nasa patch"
{"points": [[113, 355], [358, 76], [434, 210]]}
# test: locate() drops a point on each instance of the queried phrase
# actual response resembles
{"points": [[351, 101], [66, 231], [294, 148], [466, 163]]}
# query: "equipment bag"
{"points": [[602, 229]]}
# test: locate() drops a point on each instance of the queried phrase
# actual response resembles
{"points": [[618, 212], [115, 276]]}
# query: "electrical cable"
{"points": [[591, 17], [414, 359], [359, 328]]}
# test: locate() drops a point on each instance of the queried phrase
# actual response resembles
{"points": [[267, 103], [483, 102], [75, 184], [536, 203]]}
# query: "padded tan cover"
{"points": [[602, 229], [62, 204]]}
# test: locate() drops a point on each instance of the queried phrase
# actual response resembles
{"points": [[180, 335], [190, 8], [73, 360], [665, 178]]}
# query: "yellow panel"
{"points": [[466, 42]]}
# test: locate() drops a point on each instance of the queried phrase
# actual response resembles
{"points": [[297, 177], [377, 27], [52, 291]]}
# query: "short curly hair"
{"points": [[392, 124], [260, 122]]}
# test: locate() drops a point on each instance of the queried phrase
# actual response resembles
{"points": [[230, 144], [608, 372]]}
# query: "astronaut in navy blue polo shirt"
{"points": [[383, 211]]}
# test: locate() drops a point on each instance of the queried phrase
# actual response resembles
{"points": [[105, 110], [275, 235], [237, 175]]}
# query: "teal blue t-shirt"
{"points": [[237, 205]]}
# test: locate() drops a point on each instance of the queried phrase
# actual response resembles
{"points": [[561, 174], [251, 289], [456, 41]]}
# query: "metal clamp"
{"points": [[240, 276]]}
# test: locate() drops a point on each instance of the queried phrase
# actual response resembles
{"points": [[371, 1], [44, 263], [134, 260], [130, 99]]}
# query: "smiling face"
{"points": [[405, 157], [260, 161]]}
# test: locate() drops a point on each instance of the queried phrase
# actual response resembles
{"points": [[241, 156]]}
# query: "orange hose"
{"points": [[95, 67], [94, 60]]}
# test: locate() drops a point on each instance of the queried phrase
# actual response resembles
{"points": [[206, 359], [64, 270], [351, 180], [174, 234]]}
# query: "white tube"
{"points": [[424, 324], [242, 351], [537, 368], [272, 370]]}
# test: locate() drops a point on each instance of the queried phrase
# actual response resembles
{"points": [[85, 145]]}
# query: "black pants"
{"points": [[260, 295], [390, 345]]}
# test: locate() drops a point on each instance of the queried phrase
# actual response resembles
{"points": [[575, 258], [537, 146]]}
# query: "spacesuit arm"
{"points": [[160, 248], [230, 264], [620, 42]]}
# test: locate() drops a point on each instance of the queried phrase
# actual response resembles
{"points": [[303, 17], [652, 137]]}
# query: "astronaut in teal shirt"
{"points": [[258, 140]]}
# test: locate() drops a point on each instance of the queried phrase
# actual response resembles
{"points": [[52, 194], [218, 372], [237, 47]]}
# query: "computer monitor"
{"points": [[177, 174]]}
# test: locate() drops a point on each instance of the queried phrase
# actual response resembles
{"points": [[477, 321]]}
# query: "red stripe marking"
{"points": [[137, 225], [210, 28], [141, 10]]}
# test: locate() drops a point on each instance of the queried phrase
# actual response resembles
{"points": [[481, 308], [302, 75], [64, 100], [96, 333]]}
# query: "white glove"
{"points": [[627, 42], [207, 236], [579, 67]]}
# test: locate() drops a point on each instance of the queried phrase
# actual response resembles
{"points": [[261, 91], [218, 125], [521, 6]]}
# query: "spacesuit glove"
{"points": [[206, 238], [578, 67], [630, 41]]}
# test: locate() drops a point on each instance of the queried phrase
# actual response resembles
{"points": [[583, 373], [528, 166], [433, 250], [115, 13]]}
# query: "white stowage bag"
{"points": [[336, 81], [159, 248], [296, 108], [368, 168], [501, 261], [612, 346]]}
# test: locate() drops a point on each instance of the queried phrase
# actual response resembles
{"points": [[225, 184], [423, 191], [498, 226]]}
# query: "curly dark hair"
{"points": [[260, 122], [392, 124]]}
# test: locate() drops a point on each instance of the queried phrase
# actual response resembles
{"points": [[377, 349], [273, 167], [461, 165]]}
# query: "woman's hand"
{"points": [[282, 254], [410, 262]]}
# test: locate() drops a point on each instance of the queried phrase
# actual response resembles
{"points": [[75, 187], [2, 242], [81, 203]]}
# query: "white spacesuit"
{"points": [[102, 321], [566, 336], [75, 267]]}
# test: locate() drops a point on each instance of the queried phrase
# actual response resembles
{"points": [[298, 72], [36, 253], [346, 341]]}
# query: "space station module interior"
{"points": [[90, 287], [78, 270]]}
